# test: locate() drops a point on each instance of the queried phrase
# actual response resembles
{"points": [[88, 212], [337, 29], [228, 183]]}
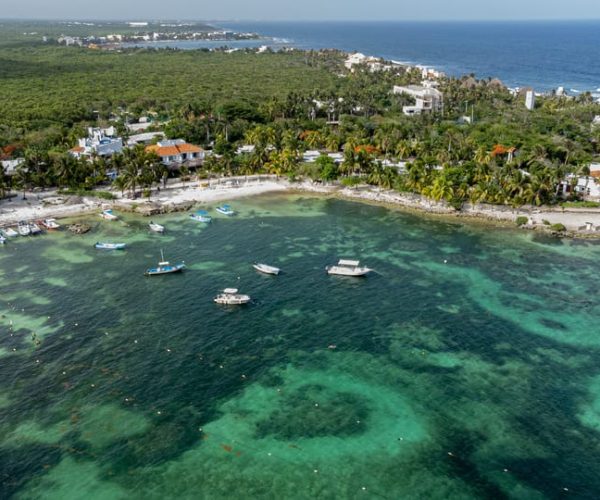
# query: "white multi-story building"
{"points": [[99, 142], [428, 99], [530, 100]]}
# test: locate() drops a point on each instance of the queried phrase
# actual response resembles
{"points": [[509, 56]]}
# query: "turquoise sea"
{"points": [[466, 366]]}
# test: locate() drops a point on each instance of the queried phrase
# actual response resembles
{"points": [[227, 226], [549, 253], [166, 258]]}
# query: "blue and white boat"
{"points": [[225, 210], [110, 246], [108, 215], [165, 267], [201, 216]]}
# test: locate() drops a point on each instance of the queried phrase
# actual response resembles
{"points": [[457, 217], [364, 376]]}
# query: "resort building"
{"points": [[177, 153], [428, 99], [100, 142]]}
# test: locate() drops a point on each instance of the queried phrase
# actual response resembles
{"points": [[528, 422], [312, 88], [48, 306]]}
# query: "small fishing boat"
{"points": [[108, 215], [230, 296], [264, 268], [24, 229], [348, 268], [157, 228], [201, 216], [164, 267], [110, 246], [50, 224], [225, 210], [34, 228], [9, 232], [2, 240]]}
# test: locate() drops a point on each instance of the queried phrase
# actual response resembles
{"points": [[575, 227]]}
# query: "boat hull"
{"points": [[262, 268], [201, 218], [159, 271], [225, 211], [110, 246], [232, 301], [338, 271]]}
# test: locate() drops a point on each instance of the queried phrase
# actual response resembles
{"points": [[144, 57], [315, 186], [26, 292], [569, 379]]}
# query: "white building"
{"points": [[596, 121], [144, 138], [373, 63], [10, 166], [587, 187], [100, 142], [530, 100], [246, 149], [428, 99], [177, 152]]}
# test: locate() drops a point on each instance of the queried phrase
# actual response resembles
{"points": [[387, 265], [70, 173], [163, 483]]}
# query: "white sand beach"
{"points": [[180, 196]]}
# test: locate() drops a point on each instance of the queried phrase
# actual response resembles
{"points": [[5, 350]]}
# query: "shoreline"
{"points": [[179, 197]]}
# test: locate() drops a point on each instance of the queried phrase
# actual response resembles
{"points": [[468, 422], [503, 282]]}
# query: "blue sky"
{"points": [[302, 9]]}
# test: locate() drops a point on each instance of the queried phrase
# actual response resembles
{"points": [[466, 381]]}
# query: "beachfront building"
{"points": [[586, 187], [427, 99], [99, 142], [372, 63], [177, 153]]}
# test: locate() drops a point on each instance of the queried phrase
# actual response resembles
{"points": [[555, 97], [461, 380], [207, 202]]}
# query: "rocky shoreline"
{"points": [[579, 223]]}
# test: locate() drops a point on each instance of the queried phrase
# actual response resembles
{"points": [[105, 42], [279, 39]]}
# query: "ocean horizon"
{"points": [[544, 55]]}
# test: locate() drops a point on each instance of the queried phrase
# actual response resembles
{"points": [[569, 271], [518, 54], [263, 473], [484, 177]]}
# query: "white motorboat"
{"points": [[108, 215], [24, 229], [50, 224], [110, 246], [225, 210], [34, 228], [9, 232], [230, 296], [157, 228], [264, 268], [2, 240], [348, 268], [201, 216]]}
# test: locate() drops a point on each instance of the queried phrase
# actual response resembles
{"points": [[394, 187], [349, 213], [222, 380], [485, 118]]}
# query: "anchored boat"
{"points": [[110, 246], [165, 267], [23, 228], [9, 232], [34, 228], [157, 228], [108, 215], [225, 210], [264, 268], [201, 216], [348, 268], [230, 296], [50, 224]]}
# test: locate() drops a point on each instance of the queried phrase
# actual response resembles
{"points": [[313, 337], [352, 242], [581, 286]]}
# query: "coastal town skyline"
{"points": [[310, 10]]}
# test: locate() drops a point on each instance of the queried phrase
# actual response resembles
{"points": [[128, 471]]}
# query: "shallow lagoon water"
{"points": [[466, 366]]}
